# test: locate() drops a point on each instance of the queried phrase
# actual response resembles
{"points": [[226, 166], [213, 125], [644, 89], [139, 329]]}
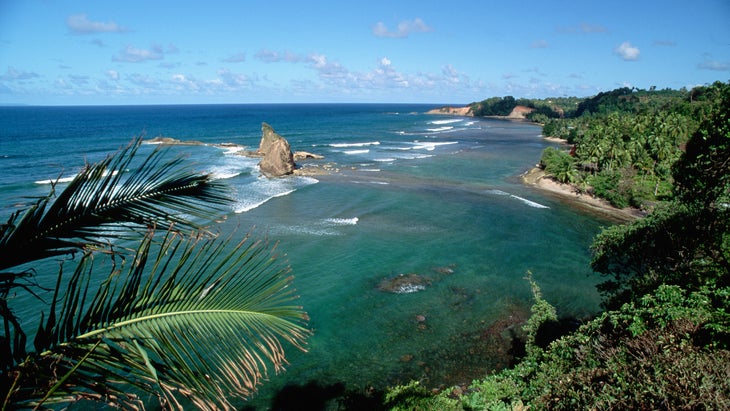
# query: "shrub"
{"points": [[559, 164]]}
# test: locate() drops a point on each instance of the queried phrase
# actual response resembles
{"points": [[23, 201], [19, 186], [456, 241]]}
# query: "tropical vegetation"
{"points": [[623, 142], [663, 341], [135, 299]]}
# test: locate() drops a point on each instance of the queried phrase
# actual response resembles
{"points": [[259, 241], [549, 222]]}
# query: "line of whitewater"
{"points": [[524, 200]]}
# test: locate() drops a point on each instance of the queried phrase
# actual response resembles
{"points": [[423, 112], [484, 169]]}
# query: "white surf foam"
{"points": [[351, 152], [524, 200], [70, 178], [59, 180], [223, 173], [343, 221], [384, 183], [449, 121], [324, 227], [528, 202], [262, 190], [412, 156], [232, 150], [430, 146], [232, 165], [409, 288], [440, 129]]}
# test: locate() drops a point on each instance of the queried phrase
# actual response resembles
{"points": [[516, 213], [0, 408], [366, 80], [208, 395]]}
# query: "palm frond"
{"points": [[108, 198], [197, 320]]}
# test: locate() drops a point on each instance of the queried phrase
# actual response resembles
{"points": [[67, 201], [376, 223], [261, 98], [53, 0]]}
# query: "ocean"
{"points": [[410, 193]]}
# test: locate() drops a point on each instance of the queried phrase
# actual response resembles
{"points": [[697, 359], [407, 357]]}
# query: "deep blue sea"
{"points": [[413, 194]]}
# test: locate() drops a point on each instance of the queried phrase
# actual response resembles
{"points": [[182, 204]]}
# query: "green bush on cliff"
{"points": [[664, 352], [660, 353]]}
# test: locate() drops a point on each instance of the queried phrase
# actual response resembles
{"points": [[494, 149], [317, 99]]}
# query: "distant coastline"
{"points": [[518, 113], [538, 179], [452, 111]]}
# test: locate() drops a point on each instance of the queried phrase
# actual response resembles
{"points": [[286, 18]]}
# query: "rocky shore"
{"points": [[277, 158]]}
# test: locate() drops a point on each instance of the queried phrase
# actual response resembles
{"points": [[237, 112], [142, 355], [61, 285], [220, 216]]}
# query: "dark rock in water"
{"points": [[278, 159], [404, 284]]}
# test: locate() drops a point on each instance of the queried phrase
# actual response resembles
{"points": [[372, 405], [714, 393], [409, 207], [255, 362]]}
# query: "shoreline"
{"points": [[537, 178], [568, 193]]}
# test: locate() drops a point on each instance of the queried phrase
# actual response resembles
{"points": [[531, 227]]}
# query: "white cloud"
{"points": [[709, 63], [13, 74], [183, 82], [318, 62], [269, 56], [404, 29], [451, 75], [714, 65], [627, 52], [112, 75], [132, 54], [80, 24], [234, 80], [384, 76]]}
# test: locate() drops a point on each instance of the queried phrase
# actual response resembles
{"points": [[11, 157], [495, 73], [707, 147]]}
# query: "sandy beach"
{"points": [[537, 178]]}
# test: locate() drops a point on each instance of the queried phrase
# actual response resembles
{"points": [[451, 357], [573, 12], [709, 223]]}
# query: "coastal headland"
{"points": [[452, 111], [517, 113]]}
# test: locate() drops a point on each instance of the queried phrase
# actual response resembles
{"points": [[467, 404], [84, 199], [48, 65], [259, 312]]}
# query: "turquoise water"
{"points": [[434, 196]]}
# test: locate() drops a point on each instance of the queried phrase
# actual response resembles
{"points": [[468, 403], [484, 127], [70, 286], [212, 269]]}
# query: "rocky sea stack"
{"points": [[278, 159]]}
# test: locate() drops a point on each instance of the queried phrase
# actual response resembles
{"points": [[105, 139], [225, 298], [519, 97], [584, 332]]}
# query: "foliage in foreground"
{"points": [[665, 352], [184, 318]]}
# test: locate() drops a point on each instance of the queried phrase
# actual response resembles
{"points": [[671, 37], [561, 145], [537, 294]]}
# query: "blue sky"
{"points": [[162, 52]]}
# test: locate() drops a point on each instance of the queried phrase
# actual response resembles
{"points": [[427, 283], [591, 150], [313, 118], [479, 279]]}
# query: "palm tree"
{"points": [[188, 318]]}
